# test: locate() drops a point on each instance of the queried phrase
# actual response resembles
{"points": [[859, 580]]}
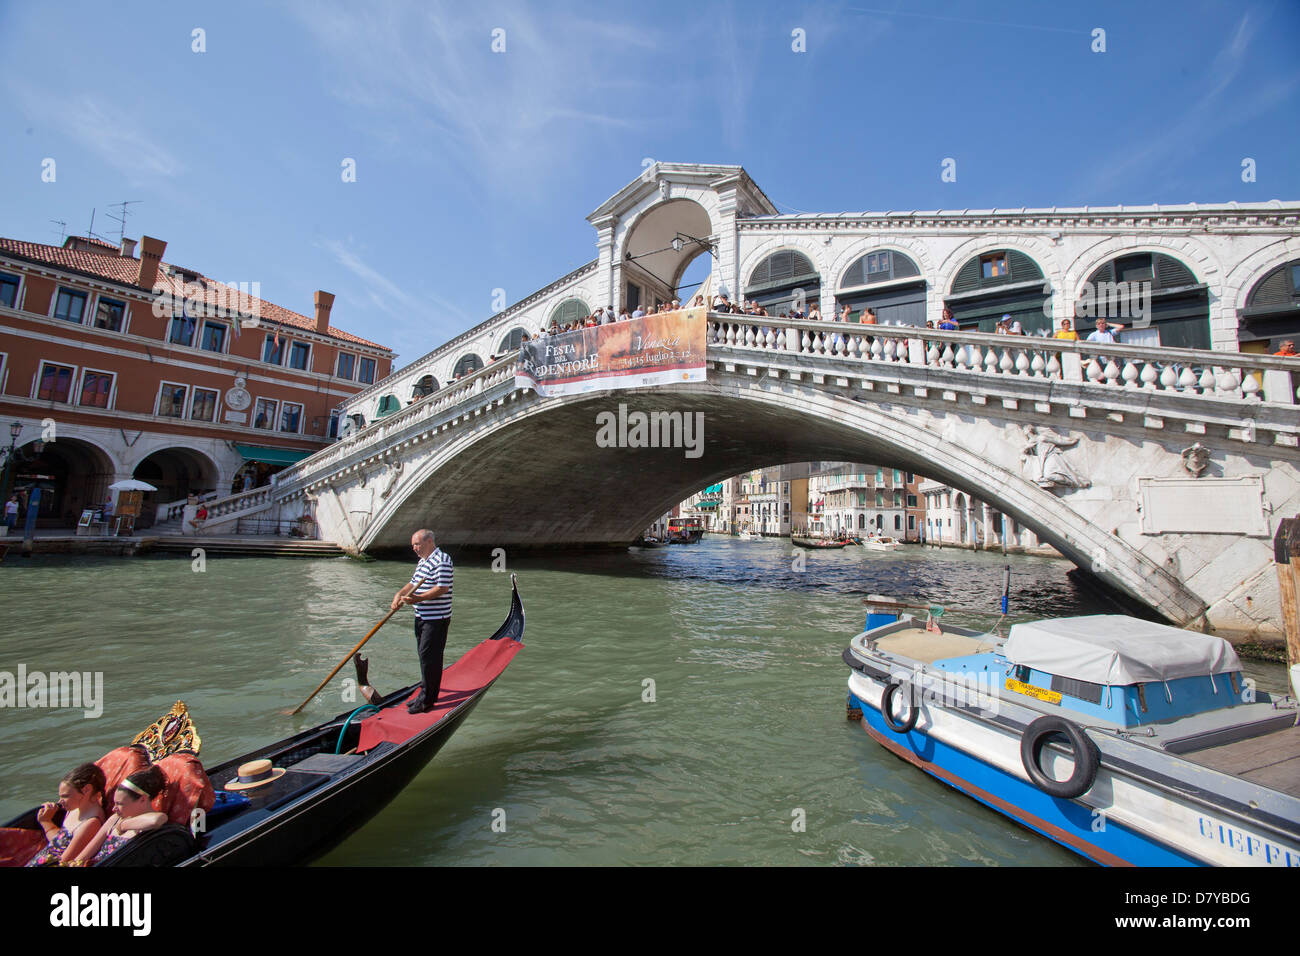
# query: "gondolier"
{"points": [[429, 591]]}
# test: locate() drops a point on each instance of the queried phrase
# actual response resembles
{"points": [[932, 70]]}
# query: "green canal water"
{"points": [[566, 760]]}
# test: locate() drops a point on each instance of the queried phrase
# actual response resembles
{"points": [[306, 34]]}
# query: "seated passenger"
{"points": [[80, 794], [135, 814]]}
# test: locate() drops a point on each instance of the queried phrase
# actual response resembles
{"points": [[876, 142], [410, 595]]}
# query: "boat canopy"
{"points": [[1118, 650]]}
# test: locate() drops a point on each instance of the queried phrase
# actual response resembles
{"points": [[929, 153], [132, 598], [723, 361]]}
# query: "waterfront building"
{"points": [[857, 498], [955, 518], [129, 366]]}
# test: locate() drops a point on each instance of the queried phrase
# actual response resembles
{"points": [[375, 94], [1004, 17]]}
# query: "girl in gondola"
{"points": [[133, 803], [81, 795]]}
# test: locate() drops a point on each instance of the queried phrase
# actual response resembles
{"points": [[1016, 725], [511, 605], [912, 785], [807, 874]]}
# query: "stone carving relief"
{"points": [[1196, 458], [1043, 459]]}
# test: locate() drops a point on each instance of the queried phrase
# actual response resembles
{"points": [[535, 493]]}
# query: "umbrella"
{"points": [[131, 484]]}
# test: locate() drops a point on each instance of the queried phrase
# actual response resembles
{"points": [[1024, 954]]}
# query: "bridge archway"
{"points": [[469, 484], [657, 248]]}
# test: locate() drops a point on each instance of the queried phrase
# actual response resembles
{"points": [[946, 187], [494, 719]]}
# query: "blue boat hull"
{"points": [[1072, 824]]}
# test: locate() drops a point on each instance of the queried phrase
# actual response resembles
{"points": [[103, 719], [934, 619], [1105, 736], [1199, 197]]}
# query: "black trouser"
{"points": [[430, 641]]}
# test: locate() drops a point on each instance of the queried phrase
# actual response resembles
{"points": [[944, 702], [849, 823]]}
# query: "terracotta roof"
{"points": [[123, 271], [104, 244]]}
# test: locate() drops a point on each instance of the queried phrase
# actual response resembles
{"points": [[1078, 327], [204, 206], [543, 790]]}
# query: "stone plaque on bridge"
{"points": [[237, 418], [1203, 505]]}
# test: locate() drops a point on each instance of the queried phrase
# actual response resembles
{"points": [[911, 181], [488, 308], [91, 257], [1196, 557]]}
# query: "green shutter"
{"points": [[1273, 289]]}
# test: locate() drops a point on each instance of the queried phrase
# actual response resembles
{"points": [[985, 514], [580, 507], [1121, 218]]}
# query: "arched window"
{"points": [[427, 385], [570, 310], [882, 266], [466, 364], [862, 522], [1272, 311], [511, 342], [783, 280], [899, 304], [997, 283], [1154, 296]]}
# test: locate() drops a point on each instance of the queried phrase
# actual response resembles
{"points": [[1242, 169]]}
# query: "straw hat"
{"points": [[255, 773]]}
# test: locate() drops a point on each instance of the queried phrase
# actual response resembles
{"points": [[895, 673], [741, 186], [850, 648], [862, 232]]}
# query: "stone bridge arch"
{"points": [[535, 474]]}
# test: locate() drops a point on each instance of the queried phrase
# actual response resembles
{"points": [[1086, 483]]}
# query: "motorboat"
{"points": [[1127, 741], [881, 543]]}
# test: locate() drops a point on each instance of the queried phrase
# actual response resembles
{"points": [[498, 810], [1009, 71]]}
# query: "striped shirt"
{"points": [[433, 571]]}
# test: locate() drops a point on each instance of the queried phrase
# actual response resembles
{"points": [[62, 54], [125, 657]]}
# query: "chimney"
{"points": [[151, 253], [324, 302], [128, 248]]}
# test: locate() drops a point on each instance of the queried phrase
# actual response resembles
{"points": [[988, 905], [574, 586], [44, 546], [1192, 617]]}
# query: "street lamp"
{"points": [[15, 429]]}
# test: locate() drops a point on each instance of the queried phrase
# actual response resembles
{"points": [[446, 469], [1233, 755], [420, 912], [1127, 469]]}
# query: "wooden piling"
{"points": [[1286, 558]]}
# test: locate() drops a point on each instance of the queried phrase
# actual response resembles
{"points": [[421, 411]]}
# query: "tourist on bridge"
{"points": [[1105, 333], [1286, 348], [947, 323], [429, 591], [1066, 331]]}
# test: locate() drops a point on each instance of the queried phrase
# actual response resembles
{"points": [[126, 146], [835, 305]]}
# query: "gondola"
{"points": [[329, 780], [820, 544]]}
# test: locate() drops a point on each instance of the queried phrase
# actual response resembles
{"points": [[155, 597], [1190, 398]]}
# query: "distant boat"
{"points": [[1128, 742], [748, 536], [823, 544], [881, 543]]}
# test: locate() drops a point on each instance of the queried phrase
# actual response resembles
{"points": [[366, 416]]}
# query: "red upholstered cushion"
{"points": [[117, 766], [17, 846], [187, 787]]}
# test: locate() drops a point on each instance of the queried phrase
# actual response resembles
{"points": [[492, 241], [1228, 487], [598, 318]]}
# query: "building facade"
{"points": [[128, 366]]}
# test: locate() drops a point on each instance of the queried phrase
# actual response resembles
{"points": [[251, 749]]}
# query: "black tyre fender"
{"points": [[1083, 752], [886, 705]]}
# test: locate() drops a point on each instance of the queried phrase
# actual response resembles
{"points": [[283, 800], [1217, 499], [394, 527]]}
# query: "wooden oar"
{"points": [[360, 644]]}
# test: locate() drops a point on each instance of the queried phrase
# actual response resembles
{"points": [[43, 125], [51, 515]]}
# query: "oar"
{"points": [[361, 644]]}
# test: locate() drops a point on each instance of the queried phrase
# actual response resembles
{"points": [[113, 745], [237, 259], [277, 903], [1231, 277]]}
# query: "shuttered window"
{"points": [[512, 342], [570, 310], [878, 267], [468, 363], [1279, 287]]}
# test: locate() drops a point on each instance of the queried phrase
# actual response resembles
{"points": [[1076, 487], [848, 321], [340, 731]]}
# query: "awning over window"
{"points": [[271, 456], [713, 489]]}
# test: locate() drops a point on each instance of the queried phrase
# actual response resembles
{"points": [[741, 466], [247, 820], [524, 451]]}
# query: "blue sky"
{"points": [[475, 169]]}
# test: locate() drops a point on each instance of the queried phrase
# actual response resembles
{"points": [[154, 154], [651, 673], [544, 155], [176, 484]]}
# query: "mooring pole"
{"points": [[1286, 558]]}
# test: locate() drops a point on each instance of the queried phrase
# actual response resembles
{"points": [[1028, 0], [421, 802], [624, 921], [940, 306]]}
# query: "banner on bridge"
{"points": [[656, 349]]}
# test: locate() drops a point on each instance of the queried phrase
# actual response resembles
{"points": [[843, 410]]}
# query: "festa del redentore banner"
{"points": [[653, 350]]}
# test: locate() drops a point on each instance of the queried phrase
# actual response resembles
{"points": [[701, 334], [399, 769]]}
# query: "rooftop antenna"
{"points": [[122, 218], [63, 229]]}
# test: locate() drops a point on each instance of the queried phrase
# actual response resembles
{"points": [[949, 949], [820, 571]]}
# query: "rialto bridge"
{"points": [[1162, 469]]}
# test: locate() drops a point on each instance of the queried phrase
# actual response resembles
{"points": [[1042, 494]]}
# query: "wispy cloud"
{"points": [[425, 77], [411, 315], [110, 131], [1211, 114]]}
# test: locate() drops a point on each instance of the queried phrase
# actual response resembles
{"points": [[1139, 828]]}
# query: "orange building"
{"points": [[123, 366]]}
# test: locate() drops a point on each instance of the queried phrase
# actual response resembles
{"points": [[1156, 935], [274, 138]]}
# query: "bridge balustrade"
{"points": [[1221, 375]]}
